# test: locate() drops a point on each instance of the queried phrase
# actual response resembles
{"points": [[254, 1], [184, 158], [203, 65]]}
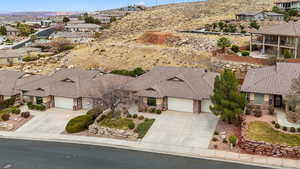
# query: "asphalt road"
{"points": [[19, 154]]}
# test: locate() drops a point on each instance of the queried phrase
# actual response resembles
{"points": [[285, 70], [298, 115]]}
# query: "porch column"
{"points": [[250, 42], [263, 45], [296, 47], [278, 47]]}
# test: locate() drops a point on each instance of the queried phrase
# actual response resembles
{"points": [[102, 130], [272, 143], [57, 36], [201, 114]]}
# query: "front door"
{"points": [[277, 101]]}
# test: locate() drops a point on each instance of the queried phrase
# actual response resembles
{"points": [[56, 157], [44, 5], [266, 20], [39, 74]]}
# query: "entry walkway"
{"points": [[282, 119]]}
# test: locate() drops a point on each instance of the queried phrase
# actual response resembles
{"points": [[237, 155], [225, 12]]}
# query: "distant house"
{"points": [[15, 56], [82, 28], [174, 88], [11, 31], [104, 19], [280, 40], [259, 15], [269, 86], [72, 89], [74, 37], [288, 4]]}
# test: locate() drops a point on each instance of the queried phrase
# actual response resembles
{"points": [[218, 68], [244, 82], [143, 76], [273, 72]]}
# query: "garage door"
{"points": [[87, 103], [64, 103], [205, 104], [184, 105]]}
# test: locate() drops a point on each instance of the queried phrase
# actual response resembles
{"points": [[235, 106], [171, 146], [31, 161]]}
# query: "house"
{"points": [[104, 19], [174, 88], [82, 28], [259, 15], [288, 4], [269, 86], [11, 31], [14, 56], [280, 40], [9, 80], [74, 37], [72, 89]]}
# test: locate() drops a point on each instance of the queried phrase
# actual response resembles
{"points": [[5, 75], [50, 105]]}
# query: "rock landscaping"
{"points": [[12, 119]]}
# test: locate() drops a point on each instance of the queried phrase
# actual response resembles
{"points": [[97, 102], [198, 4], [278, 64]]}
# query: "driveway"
{"points": [[182, 129], [52, 121]]}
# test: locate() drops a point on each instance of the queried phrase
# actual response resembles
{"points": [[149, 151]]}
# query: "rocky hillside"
{"points": [[121, 46]]}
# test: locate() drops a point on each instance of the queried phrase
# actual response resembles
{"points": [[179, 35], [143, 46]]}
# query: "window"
{"points": [[271, 100], [39, 100], [151, 101]]}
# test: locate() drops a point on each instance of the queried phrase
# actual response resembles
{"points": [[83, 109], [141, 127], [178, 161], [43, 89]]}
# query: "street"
{"points": [[20, 154]]}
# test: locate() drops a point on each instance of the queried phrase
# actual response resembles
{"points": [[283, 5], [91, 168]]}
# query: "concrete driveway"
{"points": [[182, 129], [52, 121]]}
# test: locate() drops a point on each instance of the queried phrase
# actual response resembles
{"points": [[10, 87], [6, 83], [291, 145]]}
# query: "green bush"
{"points": [[15, 110], [273, 122], [39, 107], [79, 123], [233, 140], [5, 116], [7, 103], [131, 125], [258, 113], [95, 112], [129, 116], [216, 133], [135, 116], [141, 117], [284, 128], [134, 73], [235, 48], [245, 53], [298, 130], [277, 125], [143, 128], [30, 58], [292, 129], [25, 114], [158, 112]]}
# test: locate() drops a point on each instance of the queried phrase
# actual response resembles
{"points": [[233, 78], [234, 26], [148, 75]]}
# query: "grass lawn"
{"points": [[143, 128], [118, 123], [262, 131]]}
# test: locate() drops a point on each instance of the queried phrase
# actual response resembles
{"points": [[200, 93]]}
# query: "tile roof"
{"points": [[190, 83], [271, 80], [285, 29]]}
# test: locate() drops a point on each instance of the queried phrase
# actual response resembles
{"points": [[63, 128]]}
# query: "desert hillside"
{"points": [[150, 37]]}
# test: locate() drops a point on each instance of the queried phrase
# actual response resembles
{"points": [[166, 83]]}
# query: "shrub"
{"points": [[215, 139], [141, 117], [248, 111], [245, 53], [284, 128], [25, 114], [95, 112], [30, 58], [135, 116], [277, 125], [143, 128], [5, 116], [292, 129], [6, 103], [39, 107], [233, 140], [225, 141], [216, 133], [273, 122], [298, 130], [15, 111], [258, 113], [158, 112], [235, 48], [131, 125], [79, 123], [129, 116], [152, 110]]}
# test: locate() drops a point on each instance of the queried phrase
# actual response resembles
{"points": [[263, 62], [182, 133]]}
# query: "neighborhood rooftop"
{"points": [[285, 29], [271, 80]]}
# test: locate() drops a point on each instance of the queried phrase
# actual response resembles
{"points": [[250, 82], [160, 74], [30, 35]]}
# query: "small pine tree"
{"points": [[66, 19], [223, 43], [227, 100]]}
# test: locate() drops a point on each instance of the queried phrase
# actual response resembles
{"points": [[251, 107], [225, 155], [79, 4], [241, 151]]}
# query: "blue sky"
{"points": [[74, 5]]}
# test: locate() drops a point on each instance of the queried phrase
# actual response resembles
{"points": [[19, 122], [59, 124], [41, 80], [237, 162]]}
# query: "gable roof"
{"points": [[249, 13], [9, 80], [271, 80], [190, 83], [285, 29]]}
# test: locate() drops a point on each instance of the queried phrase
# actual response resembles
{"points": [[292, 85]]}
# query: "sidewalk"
{"points": [[160, 148]]}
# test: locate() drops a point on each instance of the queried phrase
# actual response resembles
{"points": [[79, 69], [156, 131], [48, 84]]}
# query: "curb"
{"points": [[192, 155]]}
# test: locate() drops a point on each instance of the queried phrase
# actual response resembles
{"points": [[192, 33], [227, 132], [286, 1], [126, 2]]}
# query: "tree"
{"points": [[223, 43], [3, 30], [254, 25], [227, 100], [66, 19], [25, 30]]}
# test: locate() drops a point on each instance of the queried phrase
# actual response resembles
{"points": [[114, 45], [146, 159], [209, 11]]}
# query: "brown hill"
{"points": [[121, 46]]}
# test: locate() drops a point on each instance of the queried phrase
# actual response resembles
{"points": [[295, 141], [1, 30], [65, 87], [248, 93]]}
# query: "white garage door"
{"points": [[184, 105], [205, 104], [87, 103], [64, 103]]}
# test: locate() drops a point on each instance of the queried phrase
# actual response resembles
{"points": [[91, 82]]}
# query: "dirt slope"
{"points": [[121, 46]]}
